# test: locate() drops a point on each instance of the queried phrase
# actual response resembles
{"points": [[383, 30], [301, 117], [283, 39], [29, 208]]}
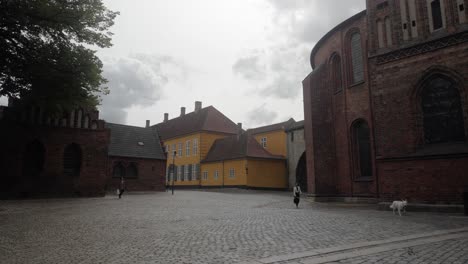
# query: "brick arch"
{"points": [[416, 96]]}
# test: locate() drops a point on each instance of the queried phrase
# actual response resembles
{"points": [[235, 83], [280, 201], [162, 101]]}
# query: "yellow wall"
{"points": [[223, 168], [205, 141], [276, 142], [267, 173]]}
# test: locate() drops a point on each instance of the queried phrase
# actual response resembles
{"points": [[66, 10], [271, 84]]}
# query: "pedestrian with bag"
{"points": [[297, 194]]}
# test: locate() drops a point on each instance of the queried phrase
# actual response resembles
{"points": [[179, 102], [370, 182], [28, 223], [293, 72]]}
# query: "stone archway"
{"points": [[301, 172]]}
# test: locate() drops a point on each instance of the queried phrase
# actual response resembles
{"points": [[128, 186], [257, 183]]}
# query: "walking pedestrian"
{"points": [[121, 187], [297, 194]]}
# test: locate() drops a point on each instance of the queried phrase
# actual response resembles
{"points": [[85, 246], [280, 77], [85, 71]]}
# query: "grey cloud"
{"points": [[282, 87], [137, 80], [261, 116], [250, 67]]}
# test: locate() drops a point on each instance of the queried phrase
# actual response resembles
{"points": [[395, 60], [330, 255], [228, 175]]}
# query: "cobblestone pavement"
{"points": [[199, 227]]}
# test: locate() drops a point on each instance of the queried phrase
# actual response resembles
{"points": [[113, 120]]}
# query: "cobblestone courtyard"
{"points": [[216, 227]]}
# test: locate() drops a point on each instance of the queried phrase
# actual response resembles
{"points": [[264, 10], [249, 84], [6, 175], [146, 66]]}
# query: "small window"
{"points": [[461, 7], [336, 72], [292, 136], [216, 175], [187, 148], [118, 170], [205, 175], [132, 171], [140, 143], [388, 31], [195, 171], [232, 173], [187, 172], [263, 141]]}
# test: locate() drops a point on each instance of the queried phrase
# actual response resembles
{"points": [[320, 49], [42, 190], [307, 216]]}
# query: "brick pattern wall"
{"points": [[151, 174]]}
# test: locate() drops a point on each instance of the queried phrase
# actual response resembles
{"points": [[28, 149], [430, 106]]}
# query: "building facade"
{"points": [[385, 106], [136, 154]]}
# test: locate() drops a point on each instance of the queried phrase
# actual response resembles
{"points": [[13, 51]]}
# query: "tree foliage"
{"points": [[46, 51]]}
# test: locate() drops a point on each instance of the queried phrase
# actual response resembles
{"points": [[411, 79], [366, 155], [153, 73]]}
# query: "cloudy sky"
{"points": [[246, 58]]}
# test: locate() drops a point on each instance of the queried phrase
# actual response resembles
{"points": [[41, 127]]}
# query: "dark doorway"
{"points": [[33, 160], [72, 160], [301, 172]]}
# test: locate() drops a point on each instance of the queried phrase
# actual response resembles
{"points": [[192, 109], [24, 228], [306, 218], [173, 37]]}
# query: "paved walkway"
{"points": [[213, 227]]}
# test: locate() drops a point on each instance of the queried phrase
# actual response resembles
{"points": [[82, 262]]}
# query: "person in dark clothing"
{"points": [[297, 194], [121, 187]]}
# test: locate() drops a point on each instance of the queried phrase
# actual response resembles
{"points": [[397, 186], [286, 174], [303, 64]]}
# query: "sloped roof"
{"points": [[238, 146], [279, 126], [125, 142], [205, 119], [295, 126]]}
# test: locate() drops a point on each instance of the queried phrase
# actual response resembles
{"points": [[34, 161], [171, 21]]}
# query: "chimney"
{"points": [[182, 111], [166, 117], [198, 106], [147, 123]]}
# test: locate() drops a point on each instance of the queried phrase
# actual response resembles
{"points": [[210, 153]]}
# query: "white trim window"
{"points": [[187, 148], [173, 148], [263, 141], [232, 173], [187, 171], [205, 175], [194, 171], [180, 150], [195, 146], [216, 175], [168, 148], [179, 174]]}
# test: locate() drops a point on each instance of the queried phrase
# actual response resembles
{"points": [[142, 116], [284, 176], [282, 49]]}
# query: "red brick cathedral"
{"points": [[386, 112]]}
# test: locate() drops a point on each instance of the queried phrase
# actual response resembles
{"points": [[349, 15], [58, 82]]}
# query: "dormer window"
{"points": [[140, 143]]}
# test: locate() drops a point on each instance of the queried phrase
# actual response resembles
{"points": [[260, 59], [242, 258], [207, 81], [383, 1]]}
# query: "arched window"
{"points": [[388, 31], [441, 106], [79, 118], [357, 66], [336, 72], [86, 122], [132, 171], [118, 170], [380, 33], [33, 159], [72, 160], [362, 149]]}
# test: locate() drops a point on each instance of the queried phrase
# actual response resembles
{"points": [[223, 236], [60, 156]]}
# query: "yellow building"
{"points": [[191, 136], [273, 138], [240, 161]]}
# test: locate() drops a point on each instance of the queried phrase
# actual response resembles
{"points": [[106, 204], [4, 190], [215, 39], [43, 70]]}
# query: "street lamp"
{"points": [[173, 174]]}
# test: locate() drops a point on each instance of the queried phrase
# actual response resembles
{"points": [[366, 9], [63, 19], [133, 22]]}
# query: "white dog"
{"points": [[399, 205]]}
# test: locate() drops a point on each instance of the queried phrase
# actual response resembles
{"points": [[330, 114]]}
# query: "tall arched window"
{"points": [[436, 14], [362, 149], [357, 65], [118, 170], [33, 159], [380, 33], [72, 160], [336, 72], [441, 106], [388, 31], [132, 171]]}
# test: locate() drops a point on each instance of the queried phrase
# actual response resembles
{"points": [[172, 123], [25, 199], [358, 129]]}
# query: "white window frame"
{"points": [[195, 146], [216, 175], [205, 175], [180, 154], [187, 148], [232, 173], [186, 174], [263, 141], [179, 173], [431, 19], [194, 172], [174, 148]]}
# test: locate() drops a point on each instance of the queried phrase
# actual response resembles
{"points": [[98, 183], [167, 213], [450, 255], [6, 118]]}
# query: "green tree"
{"points": [[46, 51]]}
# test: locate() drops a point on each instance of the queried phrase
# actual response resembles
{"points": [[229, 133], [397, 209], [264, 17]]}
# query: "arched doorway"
{"points": [[33, 160], [301, 172], [72, 160]]}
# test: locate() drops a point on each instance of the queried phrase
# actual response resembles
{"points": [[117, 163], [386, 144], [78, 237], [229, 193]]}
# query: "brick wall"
{"points": [[151, 174]]}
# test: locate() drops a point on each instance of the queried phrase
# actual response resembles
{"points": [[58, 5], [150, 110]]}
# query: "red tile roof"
{"points": [[205, 119], [238, 146], [279, 126]]}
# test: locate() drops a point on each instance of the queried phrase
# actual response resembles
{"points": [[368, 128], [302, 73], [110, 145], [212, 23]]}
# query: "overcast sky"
{"points": [[246, 58]]}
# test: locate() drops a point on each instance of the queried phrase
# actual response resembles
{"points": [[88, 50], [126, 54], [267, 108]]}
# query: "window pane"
{"points": [[436, 14]]}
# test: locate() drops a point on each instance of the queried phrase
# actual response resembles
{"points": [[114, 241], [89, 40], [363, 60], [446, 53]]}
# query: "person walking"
{"points": [[121, 187], [297, 194]]}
